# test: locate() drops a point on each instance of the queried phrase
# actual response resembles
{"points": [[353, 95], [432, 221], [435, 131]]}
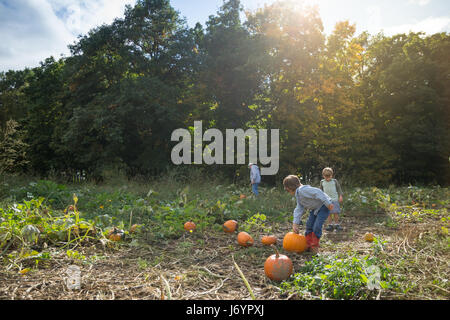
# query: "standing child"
{"points": [[332, 188], [313, 199], [255, 177]]}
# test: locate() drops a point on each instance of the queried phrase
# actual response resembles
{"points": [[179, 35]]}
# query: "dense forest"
{"points": [[373, 107]]}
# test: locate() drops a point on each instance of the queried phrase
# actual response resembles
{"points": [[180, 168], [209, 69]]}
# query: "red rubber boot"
{"points": [[314, 243], [309, 241]]}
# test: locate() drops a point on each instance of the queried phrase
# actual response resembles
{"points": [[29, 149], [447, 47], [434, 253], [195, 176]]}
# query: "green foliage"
{"points": [[32, 223], [12, 149], [45, 107], [403, 82], [55, 194], [229, 78], [33, 232], [387, 199], [168, 220], [256, 224], [375, 108], [335, 277]]}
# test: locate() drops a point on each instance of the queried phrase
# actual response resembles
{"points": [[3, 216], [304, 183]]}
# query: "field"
{"points": [[41, 236]]}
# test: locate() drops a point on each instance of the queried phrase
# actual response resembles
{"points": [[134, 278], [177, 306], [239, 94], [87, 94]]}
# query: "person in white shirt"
{"points": [[333, 189]]}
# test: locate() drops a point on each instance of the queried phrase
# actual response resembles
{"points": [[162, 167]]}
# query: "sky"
{"points": [[33, 30]]}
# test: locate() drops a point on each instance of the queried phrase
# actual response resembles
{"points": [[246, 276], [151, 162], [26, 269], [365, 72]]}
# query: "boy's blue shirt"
{"points": [[254, 174], [309, 198]]}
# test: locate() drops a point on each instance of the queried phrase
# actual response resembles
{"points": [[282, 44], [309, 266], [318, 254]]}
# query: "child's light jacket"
{"points": [[309, 198]]}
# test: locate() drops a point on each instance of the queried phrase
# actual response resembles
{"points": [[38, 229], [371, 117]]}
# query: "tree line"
{"points": [[373, 107]]}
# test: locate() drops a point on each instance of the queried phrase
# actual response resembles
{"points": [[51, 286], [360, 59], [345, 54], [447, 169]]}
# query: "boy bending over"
{"points": [[314, 200]]}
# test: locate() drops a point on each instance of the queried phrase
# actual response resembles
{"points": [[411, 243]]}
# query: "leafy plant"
{"points": [[256, 224], [167, 221], [54, 194], [336, 277]]}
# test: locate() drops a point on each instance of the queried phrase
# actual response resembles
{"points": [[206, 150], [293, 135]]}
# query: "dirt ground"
{"points": [[192, 267]]}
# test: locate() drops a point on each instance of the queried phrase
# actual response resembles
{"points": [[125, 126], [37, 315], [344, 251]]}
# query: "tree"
{"points": [[229, 72], [44, 109], [12, 149], [128, 84], [294, 43], [12, 95], [409, 105]]}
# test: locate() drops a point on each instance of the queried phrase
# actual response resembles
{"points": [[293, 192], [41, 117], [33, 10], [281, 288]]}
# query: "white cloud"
{"points": [[80, 16], [32, 30], [429, 25], [420, 2]]}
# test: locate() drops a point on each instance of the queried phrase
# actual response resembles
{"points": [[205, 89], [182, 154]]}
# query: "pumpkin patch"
{"points": [[187, 251]]}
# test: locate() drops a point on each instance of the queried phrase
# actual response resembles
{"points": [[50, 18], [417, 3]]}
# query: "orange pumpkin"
{"points": [[369, 237], [268, 240], [230, 226], [134, 228], [189, 226], [244, 239], [116, 234], [278, 267], [242, 196], [294, 242]]}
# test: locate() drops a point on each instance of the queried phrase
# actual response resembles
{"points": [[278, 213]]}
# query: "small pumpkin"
{"points": [[244, 239], [189, 226], [116, 234], [369, 237], [242, 196], [230, 226], [268, 240], [133, 228], [278, 267], [294, 242]]}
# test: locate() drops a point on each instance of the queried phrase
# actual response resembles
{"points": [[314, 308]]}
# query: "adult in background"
{"points": [[255, 177]]}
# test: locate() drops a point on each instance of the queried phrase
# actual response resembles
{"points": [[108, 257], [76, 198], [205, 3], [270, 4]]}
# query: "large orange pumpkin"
{"points": [[189, 226], [278, 267], [294, 242], [268, 240], [230, 226], [244, 239]]}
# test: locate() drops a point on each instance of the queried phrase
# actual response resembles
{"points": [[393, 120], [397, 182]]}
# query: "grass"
{"points": [[160, 259]]}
